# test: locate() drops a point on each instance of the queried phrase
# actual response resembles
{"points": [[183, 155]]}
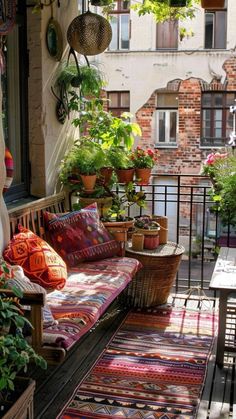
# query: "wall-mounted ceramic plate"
{"points": [[54, 39]]}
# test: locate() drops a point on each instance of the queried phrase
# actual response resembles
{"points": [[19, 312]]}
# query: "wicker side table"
{"points": [[152, 284]]}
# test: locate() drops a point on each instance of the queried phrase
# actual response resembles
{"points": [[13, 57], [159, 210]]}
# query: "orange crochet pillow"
{"points": [[38, 259]]}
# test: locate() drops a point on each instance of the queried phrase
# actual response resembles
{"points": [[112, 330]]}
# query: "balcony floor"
{"points": [[56, 385]]}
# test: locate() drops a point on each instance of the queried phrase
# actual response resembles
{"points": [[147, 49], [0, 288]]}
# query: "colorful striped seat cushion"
{"points": [[87, 294]]}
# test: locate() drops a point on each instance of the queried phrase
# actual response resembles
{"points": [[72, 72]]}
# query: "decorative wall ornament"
{"points": [[54, 39], [89, 33]]}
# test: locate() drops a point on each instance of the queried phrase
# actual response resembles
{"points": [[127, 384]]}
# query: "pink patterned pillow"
{"points": [[80, 236]]}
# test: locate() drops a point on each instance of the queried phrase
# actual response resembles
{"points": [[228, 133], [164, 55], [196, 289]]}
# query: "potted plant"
{"points": [[144, 160], [150, 229], [15, 354], [221, 168], [82, 164], [123, 201], [120, 158]]}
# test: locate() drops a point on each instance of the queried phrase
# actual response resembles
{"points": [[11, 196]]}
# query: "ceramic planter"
{"points": [[142, 175], [106, 174], [213, 4], [88, 182], [151, 238], [125, 175]]}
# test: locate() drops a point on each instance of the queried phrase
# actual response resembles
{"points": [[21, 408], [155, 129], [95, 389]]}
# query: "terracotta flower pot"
{"points": [[142, 175], [213, 4], [125, 175], [88, 182], [106, 174], [151, 238]]}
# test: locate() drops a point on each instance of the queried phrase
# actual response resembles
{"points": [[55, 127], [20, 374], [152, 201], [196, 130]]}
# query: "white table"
{"points": [[224, 280]]}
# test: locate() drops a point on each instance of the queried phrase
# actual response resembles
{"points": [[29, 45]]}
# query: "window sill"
{"points": [[170, 147]]}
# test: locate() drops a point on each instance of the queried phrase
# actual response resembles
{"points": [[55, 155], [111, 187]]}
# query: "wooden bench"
{"points": [[224, 281], [30, 215]]}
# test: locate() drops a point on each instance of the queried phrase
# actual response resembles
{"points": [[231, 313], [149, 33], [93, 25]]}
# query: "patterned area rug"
{"points": [[154, 367]]}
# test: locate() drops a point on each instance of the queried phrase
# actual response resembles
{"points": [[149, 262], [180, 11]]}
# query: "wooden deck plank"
{"points": [[220, 399]]}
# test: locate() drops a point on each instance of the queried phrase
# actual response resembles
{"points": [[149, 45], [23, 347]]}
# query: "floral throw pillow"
{"points": [[80, 236], [38, 259]]}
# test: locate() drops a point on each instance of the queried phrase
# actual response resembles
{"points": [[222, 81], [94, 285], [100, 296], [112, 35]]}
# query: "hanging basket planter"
{"points": [[89, 34], [213, 4]]}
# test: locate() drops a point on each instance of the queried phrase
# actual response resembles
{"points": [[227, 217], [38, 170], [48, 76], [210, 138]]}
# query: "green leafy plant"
{"points": [[15, 356], [120, 157], [15, 352], [89, 79], [122, 202], [85, 157], [102, 126], [162, 11], [221, 168]]}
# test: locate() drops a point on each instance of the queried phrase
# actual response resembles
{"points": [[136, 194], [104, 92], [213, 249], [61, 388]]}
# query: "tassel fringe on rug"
{"points": [[154, 367]]}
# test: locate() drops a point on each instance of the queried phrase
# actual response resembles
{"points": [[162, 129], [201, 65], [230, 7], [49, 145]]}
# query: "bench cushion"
{"points": [[87, 294]]}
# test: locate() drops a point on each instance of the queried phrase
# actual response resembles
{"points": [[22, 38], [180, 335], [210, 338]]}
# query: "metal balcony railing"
{"points": [[184, 199]]}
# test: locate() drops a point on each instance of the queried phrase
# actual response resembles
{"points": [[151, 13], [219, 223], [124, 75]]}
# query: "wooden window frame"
{"points": [[215, 14], [213, 141], [119, 109]]}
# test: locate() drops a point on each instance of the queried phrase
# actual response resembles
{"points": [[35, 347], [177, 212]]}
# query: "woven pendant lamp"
{"points": [[89, 34]]}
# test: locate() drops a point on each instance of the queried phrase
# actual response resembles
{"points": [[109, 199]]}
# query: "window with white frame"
{"points": [[120, 23], [166, 119]]}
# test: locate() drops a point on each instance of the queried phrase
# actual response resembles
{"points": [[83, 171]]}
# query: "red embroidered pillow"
{"points": [[80, 236], [39, 261]]}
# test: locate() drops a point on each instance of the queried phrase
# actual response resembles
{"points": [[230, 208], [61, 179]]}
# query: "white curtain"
{"points": [[4, 219]]}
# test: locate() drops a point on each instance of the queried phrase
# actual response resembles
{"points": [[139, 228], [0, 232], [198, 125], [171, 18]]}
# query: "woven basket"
{"points": [[89, 34], [152, 284]]}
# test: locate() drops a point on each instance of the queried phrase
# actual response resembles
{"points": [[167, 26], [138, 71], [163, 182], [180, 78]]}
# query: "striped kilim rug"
{"points": [[154, 367]]}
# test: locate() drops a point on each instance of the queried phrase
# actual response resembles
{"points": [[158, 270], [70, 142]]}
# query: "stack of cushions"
{"points": [[80, 236]]}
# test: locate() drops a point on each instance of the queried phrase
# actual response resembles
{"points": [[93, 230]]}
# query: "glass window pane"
{"points": [[114, 26], [167, 100], [220, 29], [161, 126], [230, 99], [113, 98], [124, 100], [229, 123], [173, 126], [209, 30], [218, 99], [206, 99], [125, 5], [124, 32]]}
